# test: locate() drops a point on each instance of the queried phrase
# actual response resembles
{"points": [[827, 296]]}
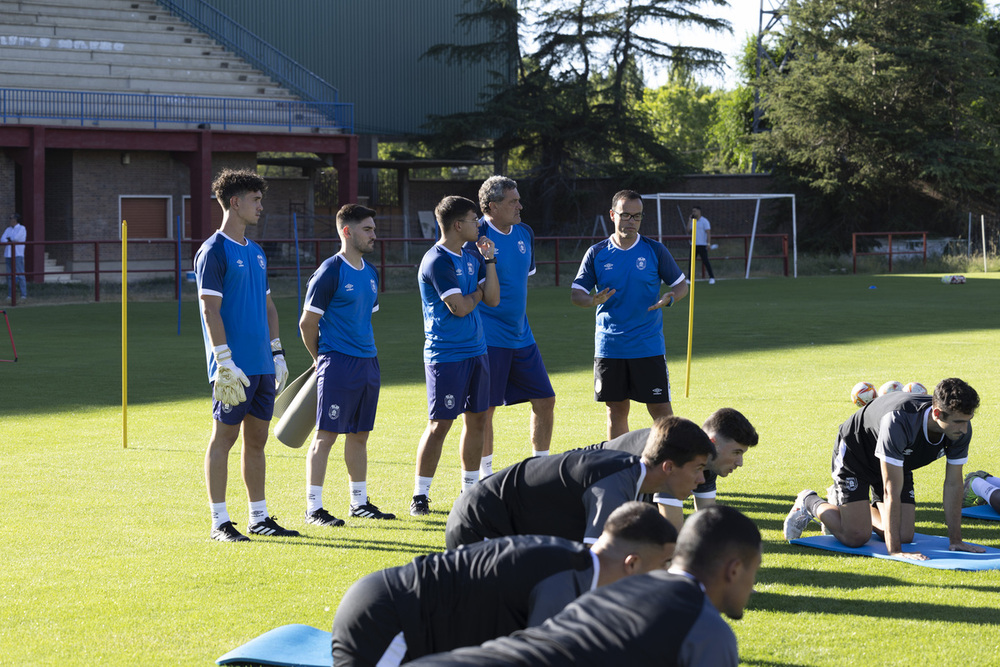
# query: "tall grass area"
{"points": [[105, 550]]}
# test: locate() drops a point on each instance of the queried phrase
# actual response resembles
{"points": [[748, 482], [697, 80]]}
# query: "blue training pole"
{"points": [[180, 280], [298, 268]]}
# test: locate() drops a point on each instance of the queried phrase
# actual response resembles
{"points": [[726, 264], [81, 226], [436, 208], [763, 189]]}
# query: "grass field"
{"points": [[105, 550]]}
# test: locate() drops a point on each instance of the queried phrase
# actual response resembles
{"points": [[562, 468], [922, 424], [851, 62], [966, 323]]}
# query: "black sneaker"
{"points": [[323, 518], [369, 511], [421, 506], [271, 528], [227, 533]]}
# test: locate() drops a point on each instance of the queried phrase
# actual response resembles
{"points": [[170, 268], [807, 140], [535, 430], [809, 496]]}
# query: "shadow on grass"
{"points": [[916, 611]]}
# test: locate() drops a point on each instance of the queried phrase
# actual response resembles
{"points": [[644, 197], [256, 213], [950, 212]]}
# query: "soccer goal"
{"points": [[662, 215]]}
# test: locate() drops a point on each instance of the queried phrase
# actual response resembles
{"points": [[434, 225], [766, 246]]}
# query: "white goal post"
{"points": [[660, 196]]}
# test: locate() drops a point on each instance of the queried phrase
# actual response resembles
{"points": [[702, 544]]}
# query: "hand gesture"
{"points": [[486, 247], [665, 301], [603, 295]]}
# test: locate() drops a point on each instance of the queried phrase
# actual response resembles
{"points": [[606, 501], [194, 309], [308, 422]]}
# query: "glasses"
{"points": [[630, 216]]}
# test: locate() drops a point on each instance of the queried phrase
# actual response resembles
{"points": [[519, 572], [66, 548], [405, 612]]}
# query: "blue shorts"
{"points": [[346, 392], [517, 375], [454, 387], [259, 403]]}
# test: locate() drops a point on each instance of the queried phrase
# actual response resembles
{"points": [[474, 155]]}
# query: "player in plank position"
{"points": [[731, 433], [982, 488], [238, 318], [469, 595], [336, 327], [877, 450], [517, 372], [453, 282], [571, 494], [650, 620]]}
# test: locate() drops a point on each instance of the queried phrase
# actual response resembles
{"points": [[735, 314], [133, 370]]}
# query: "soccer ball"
{"points": [[915, 388], [890, 387], [863, 393]]}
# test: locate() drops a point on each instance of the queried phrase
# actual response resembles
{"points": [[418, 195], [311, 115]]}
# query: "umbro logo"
{"points": [[349, 287], [609, 266]]}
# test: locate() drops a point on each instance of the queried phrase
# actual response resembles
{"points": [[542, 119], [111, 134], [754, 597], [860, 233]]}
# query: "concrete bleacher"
{"points": [[119, 46]]}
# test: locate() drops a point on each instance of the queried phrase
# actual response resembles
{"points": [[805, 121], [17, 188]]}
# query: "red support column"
{"points": [[200, 170], [346, 165], [32, 162]]}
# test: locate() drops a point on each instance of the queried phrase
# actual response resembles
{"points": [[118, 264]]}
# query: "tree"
{"points": [[573, 105], [881, 103]]}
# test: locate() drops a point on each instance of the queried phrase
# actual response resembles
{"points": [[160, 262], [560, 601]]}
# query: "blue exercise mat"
{"points": [[984, 512], [935, 547], [290, 645]]}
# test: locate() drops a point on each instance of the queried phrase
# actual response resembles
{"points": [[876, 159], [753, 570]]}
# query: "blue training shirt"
{"points": [[507, 323], [626, 328], [448, 337], [345, 298], [238, 274]]}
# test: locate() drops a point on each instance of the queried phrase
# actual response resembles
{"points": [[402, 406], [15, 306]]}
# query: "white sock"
{"points": [[314, 498], [422, 486], [359, 493], [469, 479], [258, 512], [539, 452], [220, 514], [983, 489], [486, 466]]}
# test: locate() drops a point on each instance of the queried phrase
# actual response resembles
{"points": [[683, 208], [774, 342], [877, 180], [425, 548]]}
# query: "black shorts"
{"points": [[855, 479], [645, 380]]}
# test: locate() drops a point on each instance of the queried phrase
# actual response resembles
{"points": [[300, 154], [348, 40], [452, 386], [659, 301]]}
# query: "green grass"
{"points": [[105, 550]]}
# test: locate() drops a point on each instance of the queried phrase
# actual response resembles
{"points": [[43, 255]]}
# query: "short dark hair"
{"points": [[676, 439], [350, 214], [451, 209], [16, 217], [236, 183], [493, 189], [624, 195], [640, 522], [730, 423], [955, 395], [712, 536]]}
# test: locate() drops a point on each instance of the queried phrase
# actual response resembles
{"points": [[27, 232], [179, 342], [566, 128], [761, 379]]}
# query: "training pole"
{"points": [[982, 222], [687, 372], [124, 335]]}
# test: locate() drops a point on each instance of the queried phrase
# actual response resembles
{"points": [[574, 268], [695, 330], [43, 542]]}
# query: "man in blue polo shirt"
{"points": [[517, 372], [453, 281], [336, 328], [625, 272], [246, 363]]}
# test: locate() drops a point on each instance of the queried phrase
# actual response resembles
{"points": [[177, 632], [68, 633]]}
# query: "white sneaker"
{"points": [[711, 281], [798, 518]]}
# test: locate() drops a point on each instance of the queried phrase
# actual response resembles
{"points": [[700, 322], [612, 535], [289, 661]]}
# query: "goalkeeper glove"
{"points": [[280, 367], [229, 379]]}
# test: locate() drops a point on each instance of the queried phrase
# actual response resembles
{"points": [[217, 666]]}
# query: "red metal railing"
{"points": [[890, 251]]}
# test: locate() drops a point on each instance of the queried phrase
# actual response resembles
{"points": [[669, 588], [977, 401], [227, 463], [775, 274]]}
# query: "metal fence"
{"points": [[220, 112]]}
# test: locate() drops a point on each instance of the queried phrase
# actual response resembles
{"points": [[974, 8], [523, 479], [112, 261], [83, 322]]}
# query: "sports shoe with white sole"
{"points": [[421, 506], [798, 518], [970, 499], [270, 528], [227, 533], [370, 511], [321, 517]]}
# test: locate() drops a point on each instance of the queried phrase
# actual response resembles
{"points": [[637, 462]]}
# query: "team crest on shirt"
{"points": [[640, 263], [334, 411], [349, 287], [469, 268], [522, 247], [374, 287], [449, 401], [852, 483], [260, 260]]}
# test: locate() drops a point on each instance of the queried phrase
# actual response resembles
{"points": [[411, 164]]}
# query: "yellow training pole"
{"points": [[687, 373], [124, 335]]}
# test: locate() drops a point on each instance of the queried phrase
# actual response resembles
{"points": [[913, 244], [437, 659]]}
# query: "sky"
{"points": [[744, 16]]}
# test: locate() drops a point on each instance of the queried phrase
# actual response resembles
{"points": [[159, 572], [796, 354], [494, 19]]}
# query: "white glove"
{"points": [[229, 379], [280, 367], [714, 246]]}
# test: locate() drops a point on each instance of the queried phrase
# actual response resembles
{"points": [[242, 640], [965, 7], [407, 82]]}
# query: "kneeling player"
{"points": [[470, 595]]}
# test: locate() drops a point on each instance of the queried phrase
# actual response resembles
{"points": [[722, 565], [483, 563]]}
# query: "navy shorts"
{"points": [[517, 375], [259, 403], [454, 387], [347, 391], [645, 380], [853, 480]]}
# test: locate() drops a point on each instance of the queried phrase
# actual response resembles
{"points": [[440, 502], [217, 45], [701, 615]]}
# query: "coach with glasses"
{"points": [[621, 276]]}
